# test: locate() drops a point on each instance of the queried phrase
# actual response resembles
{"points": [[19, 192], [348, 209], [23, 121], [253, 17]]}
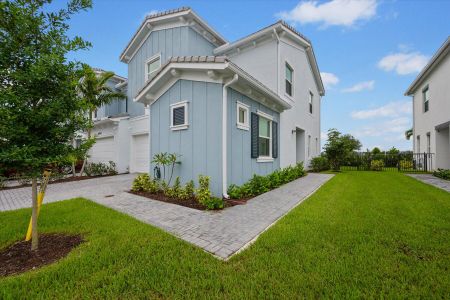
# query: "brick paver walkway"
{"points": [[432, 180], [222, 233]]}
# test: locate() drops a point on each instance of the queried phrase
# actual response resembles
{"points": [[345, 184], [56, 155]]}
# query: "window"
{"points": [[309, 145], [426, 99], [179, 116], [418, 144], [152, 65], [265, 137], [242, 116], [289, 76], [428, 143], [311, 97]]}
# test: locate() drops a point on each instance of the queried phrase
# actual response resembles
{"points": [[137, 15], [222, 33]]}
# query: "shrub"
{"points": [[187, 192], [23, 179], [203, 193], [261, 184], [140, 183], [376, 165], [214, 203], [175, 190], [319, 163], [406, 165], [100, 169], [441, 173]]}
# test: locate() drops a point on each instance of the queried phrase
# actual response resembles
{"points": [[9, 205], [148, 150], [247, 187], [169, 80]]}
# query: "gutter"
{"points": [[224, 135]]}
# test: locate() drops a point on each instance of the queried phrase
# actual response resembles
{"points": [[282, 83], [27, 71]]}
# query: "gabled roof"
{"points": [[277, 27], [118, 77], [213, 66], [184, 14], [434, 61]]}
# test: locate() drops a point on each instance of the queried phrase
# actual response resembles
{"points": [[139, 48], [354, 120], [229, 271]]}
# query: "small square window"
{"points": [[152, 65], [242, 116], [179, 116]]}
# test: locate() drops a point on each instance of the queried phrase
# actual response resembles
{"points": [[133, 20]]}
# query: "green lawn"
{"points": [[363, 234]]}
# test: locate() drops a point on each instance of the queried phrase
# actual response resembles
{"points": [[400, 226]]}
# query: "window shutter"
{"points": [[254, 135], [274, 139]]}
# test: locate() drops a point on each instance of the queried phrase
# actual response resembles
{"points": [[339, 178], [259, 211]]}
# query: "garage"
{"points": [[103, 150], [140, 153]]}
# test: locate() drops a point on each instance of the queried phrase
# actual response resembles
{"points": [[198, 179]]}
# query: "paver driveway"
{"points": [[222, 233], [432, 180]]}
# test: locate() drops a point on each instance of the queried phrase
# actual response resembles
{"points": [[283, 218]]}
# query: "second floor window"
{"points": [[311, 98], [426, 99], [152, 65], [289, 76]]}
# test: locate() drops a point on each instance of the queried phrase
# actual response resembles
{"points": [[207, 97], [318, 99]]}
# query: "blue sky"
{"points": [[370, 50]]}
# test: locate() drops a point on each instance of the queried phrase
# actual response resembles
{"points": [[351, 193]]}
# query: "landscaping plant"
{"points": [[100, 169], [338, 147], [376, 165], [319, 163], [441, 173], [204, 197], [40, 110], [166, 160]]}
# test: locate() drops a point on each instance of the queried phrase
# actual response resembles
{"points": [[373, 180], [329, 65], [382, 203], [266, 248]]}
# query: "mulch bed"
{"points": [[191, 203], [67, 179], [18, 257]]}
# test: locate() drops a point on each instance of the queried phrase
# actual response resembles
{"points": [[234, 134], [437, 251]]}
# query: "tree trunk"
{"points": [[34, 216], [89, 136]]}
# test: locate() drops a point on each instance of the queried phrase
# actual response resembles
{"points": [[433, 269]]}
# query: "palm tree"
{"points": [[408, 134], [94, 92]]}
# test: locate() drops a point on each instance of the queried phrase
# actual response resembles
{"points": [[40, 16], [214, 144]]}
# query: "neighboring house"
{"points": [[231, 110], [431, 108], [121, 131]]}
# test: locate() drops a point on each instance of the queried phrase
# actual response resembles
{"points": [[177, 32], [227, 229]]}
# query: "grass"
{"points": [[363, 234]]}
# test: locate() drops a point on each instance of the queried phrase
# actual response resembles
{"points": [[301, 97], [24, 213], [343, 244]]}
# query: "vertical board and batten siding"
{"points": [[200, 145], [115, 107], [241, 166], [179, 41]]}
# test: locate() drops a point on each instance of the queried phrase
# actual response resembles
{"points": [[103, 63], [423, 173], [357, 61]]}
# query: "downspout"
{"points": [[278, 60], [224, 135]]}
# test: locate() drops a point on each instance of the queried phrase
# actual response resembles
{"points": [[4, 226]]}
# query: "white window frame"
{"points": [[186, 115], [428, 142], [288, 65], [246, 124], [149, 61], [264, 159], [426, 102]]}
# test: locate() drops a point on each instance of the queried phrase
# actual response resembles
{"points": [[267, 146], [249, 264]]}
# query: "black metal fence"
{"points": [[402, 162]]}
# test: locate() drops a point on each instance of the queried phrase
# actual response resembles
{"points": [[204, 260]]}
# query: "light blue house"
{"points": [[230, 110]]}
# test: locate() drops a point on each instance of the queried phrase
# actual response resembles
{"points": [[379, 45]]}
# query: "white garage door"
{"points": [[103, 150], [140, 154]]}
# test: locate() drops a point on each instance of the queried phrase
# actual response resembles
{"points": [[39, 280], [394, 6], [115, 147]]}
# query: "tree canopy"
{"points": [[40, 110], [338, 147]]}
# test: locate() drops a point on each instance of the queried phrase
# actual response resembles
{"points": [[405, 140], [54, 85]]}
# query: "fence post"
{"points": [[425, 163]]}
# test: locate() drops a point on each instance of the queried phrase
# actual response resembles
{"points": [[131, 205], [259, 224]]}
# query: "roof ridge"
{"points": [[167, 12]]}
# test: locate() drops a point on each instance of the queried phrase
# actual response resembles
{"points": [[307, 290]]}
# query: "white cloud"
{"points": [[152, 12], [403, 63], [329, 79], [392, 110], [387, 128], [332, 13], [366, 85]]}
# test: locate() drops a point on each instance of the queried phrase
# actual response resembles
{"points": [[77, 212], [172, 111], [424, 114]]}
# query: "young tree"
{"points": [[39, 107], [95, 92], [338, 147]]}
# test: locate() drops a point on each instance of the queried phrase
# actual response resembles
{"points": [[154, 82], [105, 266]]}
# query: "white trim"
{"points": [[246, 124], [264, 159], [264, 115], [154, 58], [186, 115], [224, 135]]}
